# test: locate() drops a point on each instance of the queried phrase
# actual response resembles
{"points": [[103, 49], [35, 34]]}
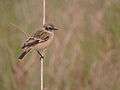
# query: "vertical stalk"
{"points": [[42, 64]]}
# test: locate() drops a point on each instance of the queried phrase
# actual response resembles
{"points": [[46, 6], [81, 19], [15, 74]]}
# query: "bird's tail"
{"points": [[23, 54]]}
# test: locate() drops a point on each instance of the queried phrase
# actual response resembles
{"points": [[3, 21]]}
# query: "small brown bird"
{"points": [[39, 40]]}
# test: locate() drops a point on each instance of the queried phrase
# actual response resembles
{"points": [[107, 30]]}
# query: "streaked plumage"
{"points": [[39, 40]]}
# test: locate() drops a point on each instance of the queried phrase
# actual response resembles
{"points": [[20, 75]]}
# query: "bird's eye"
{"points": [[49, 27]]}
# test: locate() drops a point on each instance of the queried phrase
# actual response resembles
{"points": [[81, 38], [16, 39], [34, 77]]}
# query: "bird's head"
{"points": [[49, 27]]}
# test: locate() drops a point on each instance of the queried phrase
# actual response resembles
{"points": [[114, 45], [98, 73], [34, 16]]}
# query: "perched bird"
{"points": [[39, 40]]}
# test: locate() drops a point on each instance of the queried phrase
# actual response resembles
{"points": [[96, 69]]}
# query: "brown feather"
{"points": [[23, 54]]}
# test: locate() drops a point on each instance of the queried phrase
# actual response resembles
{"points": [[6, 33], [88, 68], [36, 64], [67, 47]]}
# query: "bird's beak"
{"points": [[56, 29]]}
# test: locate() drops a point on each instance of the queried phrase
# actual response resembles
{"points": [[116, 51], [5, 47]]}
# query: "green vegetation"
{"points": [[83, 56]]}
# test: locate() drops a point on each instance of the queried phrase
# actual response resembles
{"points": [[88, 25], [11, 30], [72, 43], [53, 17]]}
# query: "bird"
{"points": [[40, 40]]}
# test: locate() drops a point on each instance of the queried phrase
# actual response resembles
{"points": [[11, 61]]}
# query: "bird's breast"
{"points": [[45, 44]]}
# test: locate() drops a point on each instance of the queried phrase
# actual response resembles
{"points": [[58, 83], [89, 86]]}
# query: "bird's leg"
{"points": [[40, 54]]}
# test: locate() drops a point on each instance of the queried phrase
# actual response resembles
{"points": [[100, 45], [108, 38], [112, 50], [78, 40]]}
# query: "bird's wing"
{"points": [[42, 35], [30, 43], [23, 54], [38, 37]]}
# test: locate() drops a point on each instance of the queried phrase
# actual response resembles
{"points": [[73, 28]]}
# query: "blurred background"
{"points": [[83, 56]]}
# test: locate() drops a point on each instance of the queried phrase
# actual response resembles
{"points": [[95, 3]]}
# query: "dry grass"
{"points": [[83, 56]]}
